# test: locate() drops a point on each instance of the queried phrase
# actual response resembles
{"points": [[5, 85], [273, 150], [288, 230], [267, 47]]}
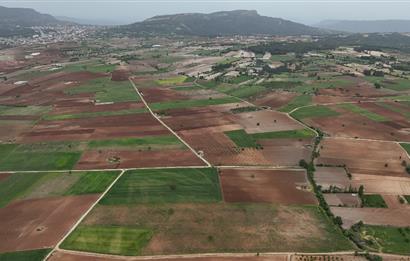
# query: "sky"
{"points": [[304, 11]]}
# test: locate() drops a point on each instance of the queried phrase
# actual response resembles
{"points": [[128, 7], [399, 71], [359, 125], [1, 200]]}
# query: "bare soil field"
{"points": [[342, 200], [286, 152], [120, 75], [11, 130], [392, 201], [162, 94], [377, 184], [221, 227], [64, 256], [220, 150], [353, 125], [373, 216], [269, 186], [112, 159], [3, 176], [325, 99], [353, 154], [91, 107], [362, 89], [202, 94], [332, 176], [265, 121], [133, 125], [40, 223], [275, 100], [195, 118]]}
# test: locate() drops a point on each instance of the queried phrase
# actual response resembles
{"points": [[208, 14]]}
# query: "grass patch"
{"points": [[313, 112], [165, 186], [373, 201], [296, 102], [245, 140], [31, 255], [407, 197], [93, 114], [396, 84], [119, 240], [366, 113], [92, 182], [322, 84], [106, 90], [130, 142], [173, 80], [160, 106], [387, 239]]}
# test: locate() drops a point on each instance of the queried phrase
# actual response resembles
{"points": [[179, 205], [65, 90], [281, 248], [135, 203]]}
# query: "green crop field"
{"points": [[120, 240], [243, 139], [322, 84], [94, 114], [106, 90], [165, 140], [395, 109], [16, 185], [373, 201], [296, 102], [246, 91], [29, 255], [92, 182], [394, 84], [387, 239], [23, 110], [160, 106], [314, 112], [16, 160], [44, 184], [173, 80], [366, 113], [406, 146], [165, 185]]}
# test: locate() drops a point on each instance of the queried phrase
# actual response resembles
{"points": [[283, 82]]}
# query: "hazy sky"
{"points": [[309, 12]]}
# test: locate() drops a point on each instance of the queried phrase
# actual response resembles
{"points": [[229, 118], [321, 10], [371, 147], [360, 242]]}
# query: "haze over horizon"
{"points": [[307, 12]]}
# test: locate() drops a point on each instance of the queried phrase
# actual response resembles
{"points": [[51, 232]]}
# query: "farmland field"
{"points": [[32, 255], [165, 186]]}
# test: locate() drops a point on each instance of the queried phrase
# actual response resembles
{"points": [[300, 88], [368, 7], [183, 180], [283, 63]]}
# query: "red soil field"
{"points": [[350, 124], [266, 185], [265, 121], [95, 159], [373, 216], [363, 90], [275, 100], [40, 223], [107, 127], [120, 75], [286, 152], [3, 176], [220, 150], [67, 256], [161, 95], [91, 107], [355, 155], [196, 118], [325, 99]]}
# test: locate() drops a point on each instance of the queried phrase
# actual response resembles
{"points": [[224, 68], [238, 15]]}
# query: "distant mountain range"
{"points": [[375, 26], [239, 22], [17, 21]]}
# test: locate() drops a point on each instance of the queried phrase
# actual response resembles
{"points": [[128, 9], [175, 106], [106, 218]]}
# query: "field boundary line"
{"points": [[166, 126], [57, 246], [100, 170], [184, 256]]}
